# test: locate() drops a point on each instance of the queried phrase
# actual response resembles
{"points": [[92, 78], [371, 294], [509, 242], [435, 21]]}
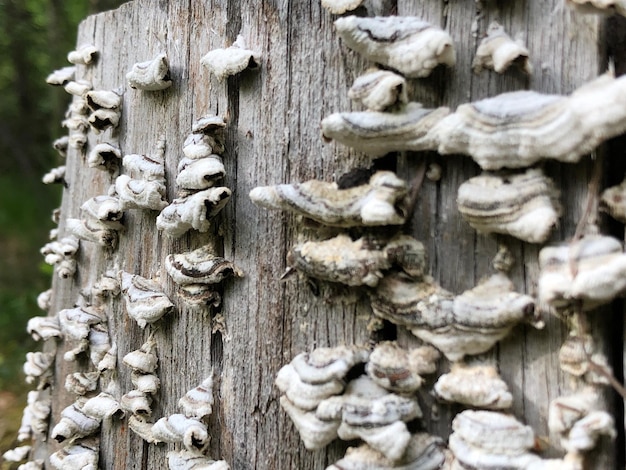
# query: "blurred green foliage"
{"points": [[35, 37]]}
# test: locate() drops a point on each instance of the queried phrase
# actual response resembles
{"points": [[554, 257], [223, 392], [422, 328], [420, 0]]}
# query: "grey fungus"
{"points": [[142, 360], [467, 324], [38, 366], [489, 439], [231, 61], [379, 202], [151, 75], [85, 54], [82, 454], [93, 230], [520, 128], [478, 386], [144, 298], [339, 7], [497, 51], [81, 383], [369, 412], [17, 454], [62, 255], [77, 88], [140, 193], [423, 452], [61, 145], [523, 205], [61, 76], [55, 176], [606, 7], [105, 156], [177, 428], [577, 422], [583, 274], [409, 45], [194, 211], [44, 328], [358, 262], [188, 460], [379, 90], [74, 424], [399, 370], [200, 266], [199, 174], [378, 133]]}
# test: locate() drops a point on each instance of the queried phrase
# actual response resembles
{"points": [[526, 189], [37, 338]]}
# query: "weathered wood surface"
{"points": [[273, 136]]}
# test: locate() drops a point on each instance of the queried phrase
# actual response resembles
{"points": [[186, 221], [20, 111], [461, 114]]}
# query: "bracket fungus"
{"points": [[17, 454], [369, 412], [490, 440], [606, 7], [105, 106], [377, 133], [61, 76], [231, 61], [144, 299], [478, 386], [399, 370], [137, 402], [44, 328], [578, 356], [578, 423], [151, 75], [142, 360], [187, 460], [379, 202], [62, 255], [177, 428], [102, 407], [61, 145], [81, 383], [517, 129], [198, 402], [77, 88], [197, 272], [105, 209], [74, 424], [308, 379], [105, 157], [140, 194], [613, 200], [93, 230], [200, 173], [423, 452], [584, 274], [497, 51], [358, 262], [84, 55], [82, 454], [145, 383], [379, 90], [468, 324], [44, 300], [193, 212], [36, 416], [339, 7], [409, 45], [55, 176], [38, 365], [522, 205]]}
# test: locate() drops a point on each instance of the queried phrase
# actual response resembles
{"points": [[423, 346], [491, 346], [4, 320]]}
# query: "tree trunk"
{"points": [[273, 136]]}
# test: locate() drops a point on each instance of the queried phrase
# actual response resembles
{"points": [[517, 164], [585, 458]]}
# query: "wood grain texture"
{"points": [[273, 136]]}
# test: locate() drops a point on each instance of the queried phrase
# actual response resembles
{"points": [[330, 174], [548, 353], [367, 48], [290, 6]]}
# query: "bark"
{"points": [[273, 136]]}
